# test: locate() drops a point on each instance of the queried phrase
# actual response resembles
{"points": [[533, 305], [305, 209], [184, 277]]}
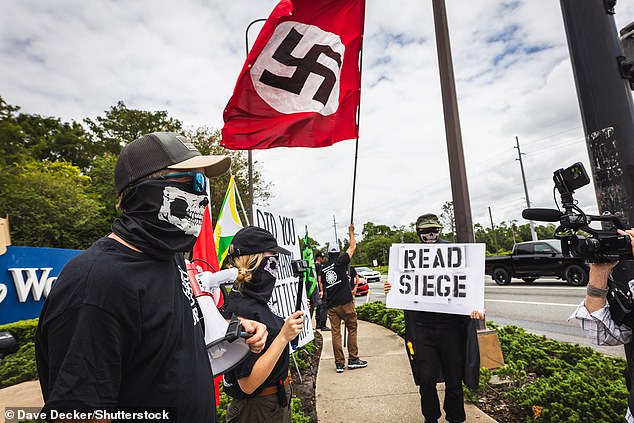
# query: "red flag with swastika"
{"points": [[300, 85]]}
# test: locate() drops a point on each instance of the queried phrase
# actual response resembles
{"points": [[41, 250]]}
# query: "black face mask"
{"points": [[263, 282], [161, 217]]}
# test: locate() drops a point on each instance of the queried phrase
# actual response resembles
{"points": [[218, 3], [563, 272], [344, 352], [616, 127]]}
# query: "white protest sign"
{"points": [[284, 295], [439, 277]]}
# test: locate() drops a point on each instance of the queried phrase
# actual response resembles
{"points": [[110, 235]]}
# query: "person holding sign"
{"points": [[258, 384], [436, 341], [340, 303]]}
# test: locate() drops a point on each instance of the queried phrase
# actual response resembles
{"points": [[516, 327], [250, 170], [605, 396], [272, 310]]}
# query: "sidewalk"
{"points": [[382, 392], [25, 394]]}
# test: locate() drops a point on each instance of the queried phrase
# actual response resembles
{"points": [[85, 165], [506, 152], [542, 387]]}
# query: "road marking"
{"points": [[531, 302]]}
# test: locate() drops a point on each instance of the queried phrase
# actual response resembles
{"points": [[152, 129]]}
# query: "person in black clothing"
{"points": [[258, 383], [436, 342], [322, 310], [121, 328], [341, 304]]}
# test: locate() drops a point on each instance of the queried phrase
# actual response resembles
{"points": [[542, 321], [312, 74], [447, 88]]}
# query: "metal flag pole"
{"points": [[356, 147], [356, 154], [249, 152]]}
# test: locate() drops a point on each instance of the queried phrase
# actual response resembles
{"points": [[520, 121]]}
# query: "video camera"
{"points": [[601, 245], [299, 267]]}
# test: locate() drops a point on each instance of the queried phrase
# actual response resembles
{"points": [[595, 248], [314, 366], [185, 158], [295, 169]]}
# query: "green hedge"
{"points": [[551, 381], [19, 366]]}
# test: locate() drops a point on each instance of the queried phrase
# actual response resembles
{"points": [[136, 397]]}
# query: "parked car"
{"points": [[533, 259], [368, 274], [362, 287]]}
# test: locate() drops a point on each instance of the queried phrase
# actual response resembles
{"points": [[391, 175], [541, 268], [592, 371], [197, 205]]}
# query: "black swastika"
{"points": [[305, 66]]}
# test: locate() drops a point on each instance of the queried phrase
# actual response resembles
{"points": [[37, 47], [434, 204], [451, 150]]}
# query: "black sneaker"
{"points": [[356, 363], [340, 368]]}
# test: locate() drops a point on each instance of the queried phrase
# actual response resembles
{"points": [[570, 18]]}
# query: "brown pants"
{"points": [[348, 314], [264, 409]]}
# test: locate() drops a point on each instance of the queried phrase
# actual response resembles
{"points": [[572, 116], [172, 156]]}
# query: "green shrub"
{"points": [[19, 366], [551, 381], [23, 331]]}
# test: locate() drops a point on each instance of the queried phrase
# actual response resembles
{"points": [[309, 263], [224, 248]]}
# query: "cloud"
{"points": [[75, 59]]}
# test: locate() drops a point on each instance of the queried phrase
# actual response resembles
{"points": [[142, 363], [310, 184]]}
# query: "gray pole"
{"points": [[528, 200], [334, 223], [495, 237], [606, 107], [457, 171], [249, 152]]}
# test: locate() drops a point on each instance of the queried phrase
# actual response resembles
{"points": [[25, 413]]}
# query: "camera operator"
{"points": [[597, 320]]}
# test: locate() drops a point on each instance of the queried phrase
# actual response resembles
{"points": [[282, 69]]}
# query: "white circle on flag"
{"points": [[328, 70]]}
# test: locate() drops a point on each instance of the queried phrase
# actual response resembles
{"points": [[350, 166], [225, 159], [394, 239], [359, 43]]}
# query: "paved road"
{"points": [[541, 307]]}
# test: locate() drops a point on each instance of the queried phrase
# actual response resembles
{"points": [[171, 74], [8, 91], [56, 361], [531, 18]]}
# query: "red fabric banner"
{"points": [[205, 248], [300, 85]]}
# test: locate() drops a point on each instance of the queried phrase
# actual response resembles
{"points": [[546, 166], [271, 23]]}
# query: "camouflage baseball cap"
{"points": [[428, 220]]}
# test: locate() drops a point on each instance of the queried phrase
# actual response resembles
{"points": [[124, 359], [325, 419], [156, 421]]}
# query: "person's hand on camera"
{"points": [[386, 287], [293, 326], [258, 340]]}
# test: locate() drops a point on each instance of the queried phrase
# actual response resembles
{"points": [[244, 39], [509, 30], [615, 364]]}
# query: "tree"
{"points": [[120, 125], [448, 220], [49, 205], [208, 142], [26, 137]]}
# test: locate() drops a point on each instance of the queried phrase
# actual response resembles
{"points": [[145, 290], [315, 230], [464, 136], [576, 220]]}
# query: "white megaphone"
{"points": [[226, 346]]}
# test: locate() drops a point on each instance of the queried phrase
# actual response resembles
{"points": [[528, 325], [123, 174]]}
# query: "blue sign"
{"points": [[26, 277]]}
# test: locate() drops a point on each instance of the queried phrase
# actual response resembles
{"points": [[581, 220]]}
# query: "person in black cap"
{"points": [[321, 315], [258, 384], [120, 328], [436, 342], [341, 304]]}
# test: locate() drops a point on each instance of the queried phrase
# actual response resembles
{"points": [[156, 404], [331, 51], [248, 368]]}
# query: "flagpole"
{"points": [[249, 152], [356, 147], [244, 212]]}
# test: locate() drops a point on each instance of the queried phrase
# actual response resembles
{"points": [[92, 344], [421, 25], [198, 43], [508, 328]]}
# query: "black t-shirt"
{"points": [[121, 330], [249, 308], [318, 272], [353, 275], [336, 281]]}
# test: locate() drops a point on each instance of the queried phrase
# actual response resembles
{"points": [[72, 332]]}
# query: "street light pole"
{"points": [[457, 171], [249, 152]]}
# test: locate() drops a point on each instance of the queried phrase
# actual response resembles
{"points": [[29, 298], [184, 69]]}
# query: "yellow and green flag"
{"points": [[228, 223]]}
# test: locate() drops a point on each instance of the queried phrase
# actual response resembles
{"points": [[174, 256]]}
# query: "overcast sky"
{"points": [[75, 59]]}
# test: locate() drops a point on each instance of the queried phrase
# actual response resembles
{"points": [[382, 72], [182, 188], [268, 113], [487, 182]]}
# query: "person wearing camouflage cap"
{"points": [[436, 345], [428, 228]]}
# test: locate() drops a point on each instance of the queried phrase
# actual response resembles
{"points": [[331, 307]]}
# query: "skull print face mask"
{"points": [[428, 236], [161, 217]]}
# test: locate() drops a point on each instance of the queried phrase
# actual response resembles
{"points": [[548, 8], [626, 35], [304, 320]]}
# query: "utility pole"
{"points": [[603, 79], [528, 200], [457, 171], [334, 223], [495, 237]]}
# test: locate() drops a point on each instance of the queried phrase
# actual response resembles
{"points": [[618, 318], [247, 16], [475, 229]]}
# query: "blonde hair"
{"points": [[246, 265]]}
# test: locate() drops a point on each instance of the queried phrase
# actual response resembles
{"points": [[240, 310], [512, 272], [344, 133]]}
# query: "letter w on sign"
{"points": [[300, 85]]}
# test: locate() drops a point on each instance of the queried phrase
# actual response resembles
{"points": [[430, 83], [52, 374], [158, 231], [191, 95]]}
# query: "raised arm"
{"points": [[353, 242]]}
